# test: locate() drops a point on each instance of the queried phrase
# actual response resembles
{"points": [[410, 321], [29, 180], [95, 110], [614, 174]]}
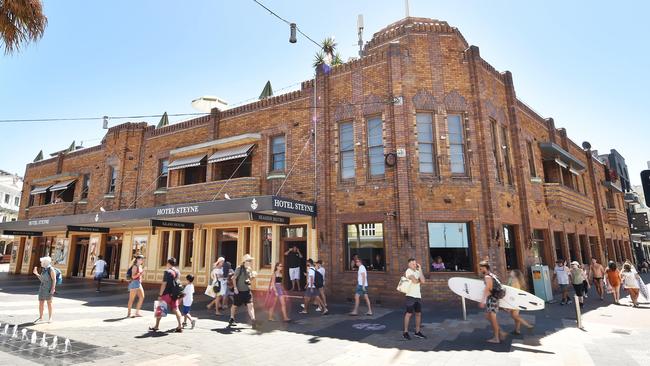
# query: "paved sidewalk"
{"points": [[99, 334]]}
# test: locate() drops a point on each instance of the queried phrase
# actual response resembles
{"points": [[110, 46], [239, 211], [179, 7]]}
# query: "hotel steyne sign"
{"points": [[179, 210], [281, 204]]}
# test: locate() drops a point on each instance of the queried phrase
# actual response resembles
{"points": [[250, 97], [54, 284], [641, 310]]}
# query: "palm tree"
{"points": [[327, 54], [21, 21]]}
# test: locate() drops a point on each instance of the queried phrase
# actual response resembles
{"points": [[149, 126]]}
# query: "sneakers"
{"points": [[231, 322], [562, 302], [420, 335], [193, 323], [406, 336], [569, 302], [319, 309], [184, 324]]}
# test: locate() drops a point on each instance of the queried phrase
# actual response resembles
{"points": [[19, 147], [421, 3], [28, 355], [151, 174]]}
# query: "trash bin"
{"points": [[542, 282]]}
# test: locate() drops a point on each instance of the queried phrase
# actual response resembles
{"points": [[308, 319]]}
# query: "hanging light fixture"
{"points": [[292, 36]]}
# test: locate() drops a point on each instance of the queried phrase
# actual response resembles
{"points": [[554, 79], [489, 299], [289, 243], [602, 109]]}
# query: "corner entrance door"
{"points": [[302, 247], [226, 245], [112, 255], [80, 256], [510, 246]]}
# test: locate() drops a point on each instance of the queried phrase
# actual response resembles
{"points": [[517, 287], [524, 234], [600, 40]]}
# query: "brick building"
{"points": [[420, 148]]}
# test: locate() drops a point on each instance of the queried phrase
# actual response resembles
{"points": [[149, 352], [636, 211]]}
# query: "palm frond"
{"points": [[319, 59], [329, 45], [21, 21], [337, 60]]}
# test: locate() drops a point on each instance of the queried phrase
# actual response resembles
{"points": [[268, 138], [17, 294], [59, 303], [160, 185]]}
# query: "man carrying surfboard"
{"points": [[490, 300]]}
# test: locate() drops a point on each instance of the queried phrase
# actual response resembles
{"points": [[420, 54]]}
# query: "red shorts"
{"points": [[171, 303]]}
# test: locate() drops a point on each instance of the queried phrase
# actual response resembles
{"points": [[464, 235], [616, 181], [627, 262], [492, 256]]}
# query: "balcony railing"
{"points": [[560, 197], [238, 187], [51, 209], [616, 217]]}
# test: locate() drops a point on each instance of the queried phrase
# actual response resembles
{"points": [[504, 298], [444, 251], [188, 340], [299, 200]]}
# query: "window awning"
{"points": [[39, 190], [62, 186], [232, 153], [551, 151], [188, 162]]}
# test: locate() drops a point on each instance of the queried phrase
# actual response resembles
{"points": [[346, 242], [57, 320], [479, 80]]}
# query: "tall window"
{"points": [[495, 150], [559, 245], [506, 153], [510, 247], [450, 246], [189, 248], [346, 149], [7, 198], [531, 159], [266, 241], [456, 143], [85, 186], [367, 242], [163, 173], [375, 147], [537, 246], [424, 123], [176, 245], [112, 179], [16, 201], [278, 151], [164, 247]]}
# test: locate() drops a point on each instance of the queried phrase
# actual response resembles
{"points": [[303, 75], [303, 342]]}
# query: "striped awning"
{"points": [[232, 153], [62, 186], [39, 190], [183, 163]]}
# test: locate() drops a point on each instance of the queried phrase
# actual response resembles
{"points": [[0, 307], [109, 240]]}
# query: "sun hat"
{"points": [[247, 257], [575, 263]]}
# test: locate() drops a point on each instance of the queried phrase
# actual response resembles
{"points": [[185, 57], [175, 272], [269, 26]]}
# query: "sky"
{"points": [[584, 63]]}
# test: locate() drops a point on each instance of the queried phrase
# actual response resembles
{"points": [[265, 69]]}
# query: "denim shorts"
{"points": [[361, 290], [135, 284]]}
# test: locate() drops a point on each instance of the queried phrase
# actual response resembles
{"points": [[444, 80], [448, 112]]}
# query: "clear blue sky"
{"points": [[584, 63]]}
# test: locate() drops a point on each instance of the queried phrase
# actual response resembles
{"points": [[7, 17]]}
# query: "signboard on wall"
{"points": [[22, 233], [172, 224], [298, 207], [88, 229], [254, 216]]}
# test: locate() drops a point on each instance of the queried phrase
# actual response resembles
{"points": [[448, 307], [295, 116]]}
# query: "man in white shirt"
{"points": [[561, 274], [413, 299], [98, 271], [311, 293], [362, 288]]}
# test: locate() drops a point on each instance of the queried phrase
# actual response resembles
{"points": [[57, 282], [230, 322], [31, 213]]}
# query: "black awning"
{"points": [[232, 153], [552, 151], [62, 186]]}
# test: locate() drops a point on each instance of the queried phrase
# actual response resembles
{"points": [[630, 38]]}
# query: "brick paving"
{"points": [[100, 335]]}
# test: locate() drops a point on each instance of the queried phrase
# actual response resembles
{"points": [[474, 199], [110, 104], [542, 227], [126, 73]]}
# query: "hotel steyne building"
{"points": [[420, 149]]}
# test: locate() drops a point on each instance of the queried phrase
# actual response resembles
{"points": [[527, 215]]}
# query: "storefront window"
{"points": [[164, 247], [367, 242], [266, 243], [450, 246], [189, 248]]}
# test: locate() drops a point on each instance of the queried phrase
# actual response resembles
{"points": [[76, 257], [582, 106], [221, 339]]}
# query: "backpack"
{"points": [[498, 291], [58, 277], [318, 279], [176, 288]]}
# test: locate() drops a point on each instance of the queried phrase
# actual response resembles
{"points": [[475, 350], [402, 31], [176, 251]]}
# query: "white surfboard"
{"points": [[472, 289]]}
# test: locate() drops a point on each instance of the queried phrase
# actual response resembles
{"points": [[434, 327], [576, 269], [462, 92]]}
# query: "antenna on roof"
{"points": [[406, 5], [360, 30]]}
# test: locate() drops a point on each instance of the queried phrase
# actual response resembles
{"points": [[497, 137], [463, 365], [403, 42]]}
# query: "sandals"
{"points": [[153, 329], [178, 330]]}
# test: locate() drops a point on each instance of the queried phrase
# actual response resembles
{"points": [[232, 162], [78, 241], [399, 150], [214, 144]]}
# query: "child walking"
{"points": [[188, 298]]}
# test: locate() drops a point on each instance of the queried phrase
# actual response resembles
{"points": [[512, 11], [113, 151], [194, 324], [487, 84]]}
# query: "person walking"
{"points": [[134, 275], [361, 289], [293, 262], [413, 299], [613, 281], [320, 281], [169, 293], [98, 271], [561, 275], [311, 293], [188, 299], [241, 283], [518, 281], [219, 286], [597, 273], [629, 280], [47, 287], [577, 280], [490, 301], [277, 291]]}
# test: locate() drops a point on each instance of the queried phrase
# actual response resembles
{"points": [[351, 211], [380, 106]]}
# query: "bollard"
{"points": [[578, 313], [462, 301]]}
